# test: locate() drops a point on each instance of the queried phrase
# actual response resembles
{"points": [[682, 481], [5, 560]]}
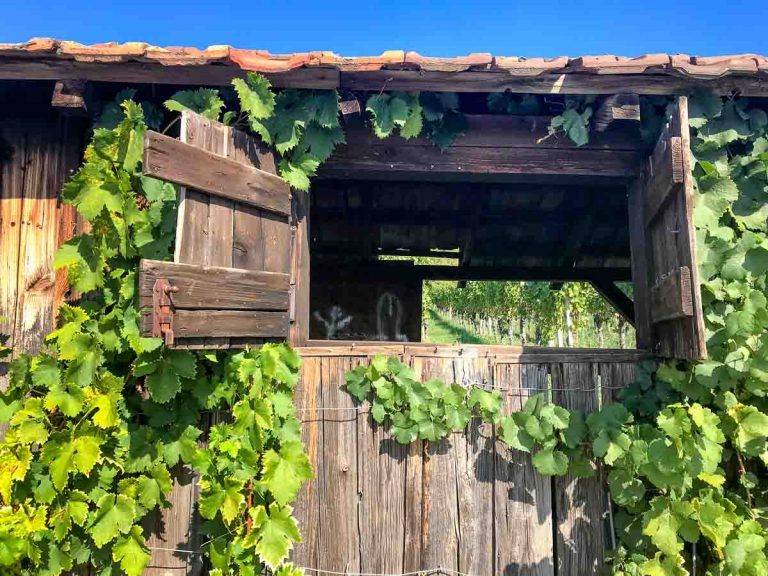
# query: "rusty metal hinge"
{"points": [[162, 310]]}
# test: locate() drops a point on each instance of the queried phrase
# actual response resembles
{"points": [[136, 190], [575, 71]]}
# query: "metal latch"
{"points": [[162, 310]]}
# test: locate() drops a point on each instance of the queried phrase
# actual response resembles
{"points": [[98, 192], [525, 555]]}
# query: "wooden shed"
{"points": [[255, 260]]}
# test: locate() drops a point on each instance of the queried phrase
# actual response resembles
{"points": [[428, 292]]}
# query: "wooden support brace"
{"points": [[616, 298], [69, 97], [617, 107]]}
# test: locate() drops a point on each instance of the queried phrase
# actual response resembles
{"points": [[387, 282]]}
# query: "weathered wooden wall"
{"points": [[466, 504], [39, 154]]}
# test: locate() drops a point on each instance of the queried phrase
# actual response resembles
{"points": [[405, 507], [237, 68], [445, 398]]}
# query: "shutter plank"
{"points": [[175, 161], [668, 165], [230, 324], [671, 297], [202, 287], [668, 243]]}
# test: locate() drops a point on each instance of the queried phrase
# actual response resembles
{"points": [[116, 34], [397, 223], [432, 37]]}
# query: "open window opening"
{"points": [[571, 314], [470, 262]]}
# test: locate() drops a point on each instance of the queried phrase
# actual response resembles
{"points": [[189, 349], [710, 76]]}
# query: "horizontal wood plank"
{"points": [[501, 131], [25, 68], [213, 287], [438, 272], [478, 81], [502, 354], [427, 159], [175, 161], [671, 297], [230, 324]]}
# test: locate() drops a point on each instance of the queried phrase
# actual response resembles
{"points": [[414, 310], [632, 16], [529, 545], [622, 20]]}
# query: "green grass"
{"points": [[443, 331]]}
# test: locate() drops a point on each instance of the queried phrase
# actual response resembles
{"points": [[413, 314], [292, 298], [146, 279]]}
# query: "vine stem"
{"points": [[249, 520], [743, 472]]}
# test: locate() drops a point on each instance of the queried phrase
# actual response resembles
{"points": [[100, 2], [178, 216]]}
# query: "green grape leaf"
{"points": [[114, 515], [226, 499], [203, 101], [285, 471], [131, 552], [255, 95], [274, 533], [550, 462], [68, 398]]}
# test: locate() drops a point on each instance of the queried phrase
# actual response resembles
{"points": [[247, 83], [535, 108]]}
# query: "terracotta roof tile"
{"points": [[176, 55], [722, 65], [107, 52], [609, 64], [475, 61], [262, 61], [530, 66]]}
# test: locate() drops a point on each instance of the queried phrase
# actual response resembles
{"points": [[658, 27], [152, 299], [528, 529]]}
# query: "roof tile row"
{"points": [[262, 61]]}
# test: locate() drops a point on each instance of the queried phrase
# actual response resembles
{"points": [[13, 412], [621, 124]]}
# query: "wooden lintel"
{"points": [[616, 298], [429, 160], [438, 272], [69, 97], [615, 109]]}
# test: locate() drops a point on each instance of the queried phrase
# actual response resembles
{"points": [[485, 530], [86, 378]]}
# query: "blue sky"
{"points": [[445, 28]]}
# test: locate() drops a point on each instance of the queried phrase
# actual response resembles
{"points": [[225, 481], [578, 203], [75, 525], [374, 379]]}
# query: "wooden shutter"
{"points": [[669, 320], [230, 282]]}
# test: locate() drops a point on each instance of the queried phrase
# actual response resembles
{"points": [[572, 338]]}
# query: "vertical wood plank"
{"points": [[414, 507], [192, 222], [299, 264], [307, 505], [639, 259], [474, 453], [248, 248], [339, 545], [11, 199], [414, 488], [440, 529], [523, 498], [581, 503], [381, 462], [614, 377], [36, 278]]}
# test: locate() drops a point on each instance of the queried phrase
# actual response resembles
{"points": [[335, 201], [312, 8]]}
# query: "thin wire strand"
{"points": [[415, 573]]}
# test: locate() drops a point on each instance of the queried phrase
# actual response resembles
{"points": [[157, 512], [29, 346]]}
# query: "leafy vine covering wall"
{"points": [[101, 419]]}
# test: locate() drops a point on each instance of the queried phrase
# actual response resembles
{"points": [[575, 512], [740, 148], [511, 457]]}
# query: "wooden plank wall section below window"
{"points": [[42, 153], [467, 503]]}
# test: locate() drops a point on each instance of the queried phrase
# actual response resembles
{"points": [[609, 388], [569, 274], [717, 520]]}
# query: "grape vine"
{"points": [[100, 420]]}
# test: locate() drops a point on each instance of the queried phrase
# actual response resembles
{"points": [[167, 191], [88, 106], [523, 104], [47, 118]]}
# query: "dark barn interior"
{"points": [[483, 231]]}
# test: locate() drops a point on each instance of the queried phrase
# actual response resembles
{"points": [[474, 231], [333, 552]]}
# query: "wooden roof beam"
{"points": [[53, 68], [553, 274]]}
